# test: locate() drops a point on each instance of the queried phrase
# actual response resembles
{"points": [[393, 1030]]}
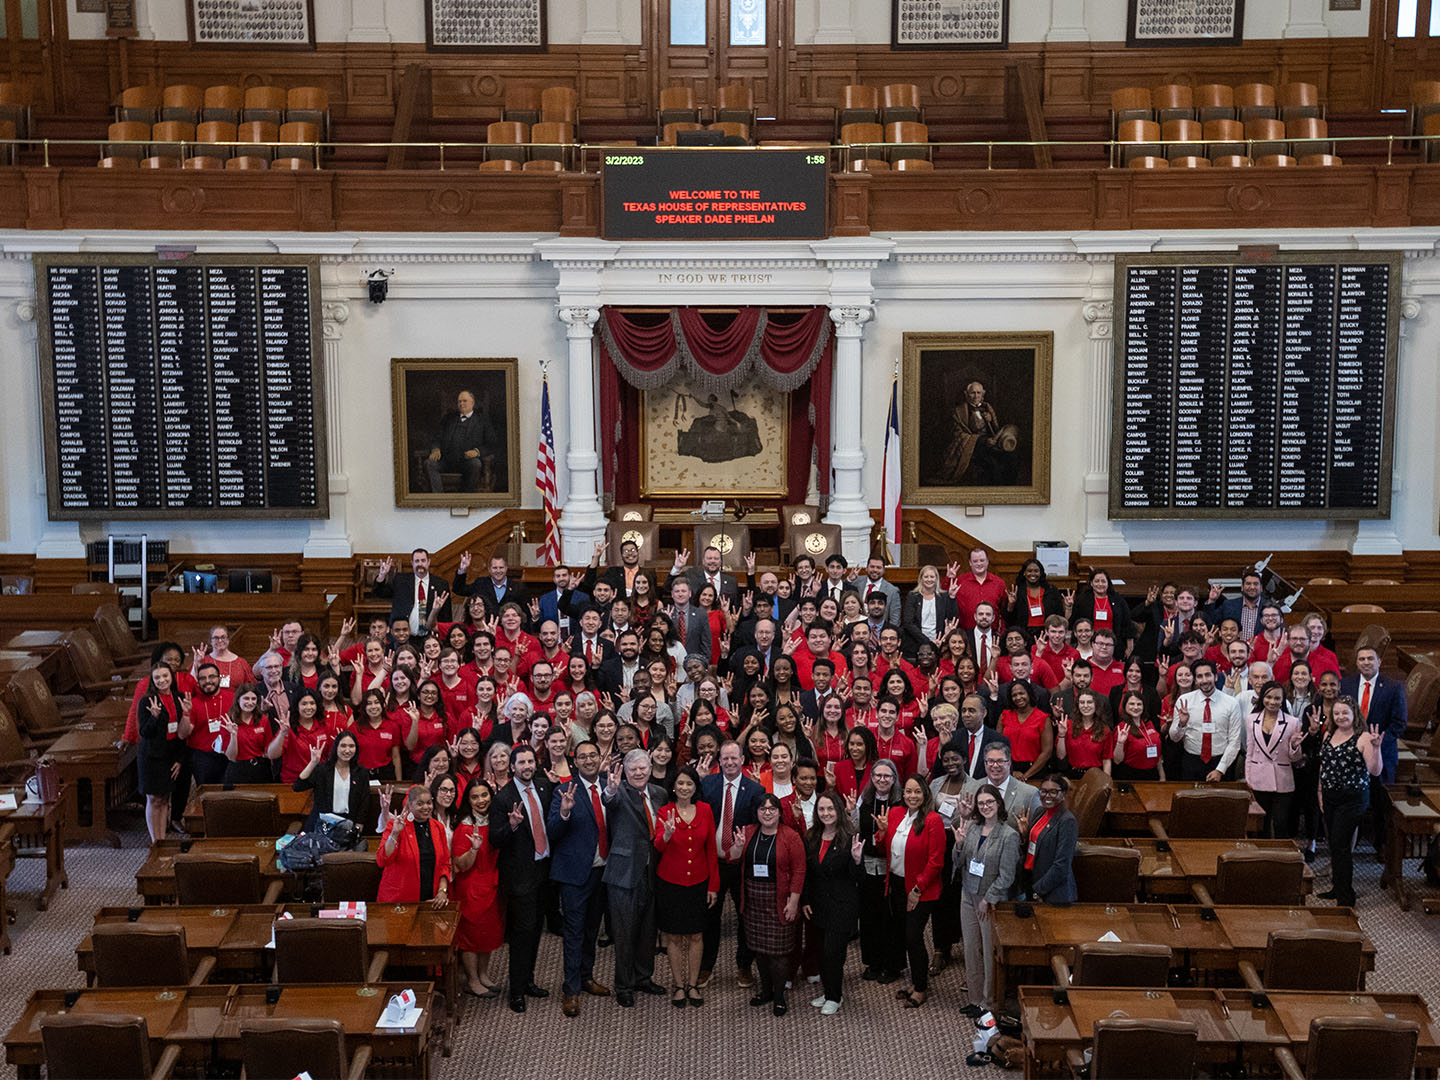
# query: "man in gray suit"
{"points": [[875, 583], [707, 573], [631, 806], [1015, 794], [691, 624]]}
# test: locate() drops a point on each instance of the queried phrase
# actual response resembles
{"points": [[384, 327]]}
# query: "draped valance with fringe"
{"points": [[781, 350]]}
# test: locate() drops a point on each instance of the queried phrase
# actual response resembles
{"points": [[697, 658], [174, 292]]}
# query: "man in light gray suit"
{"points": [[1016, 794], [691, 624], [631, 806], [875, 582]]}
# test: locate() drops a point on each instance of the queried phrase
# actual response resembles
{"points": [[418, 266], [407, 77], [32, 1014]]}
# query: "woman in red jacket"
{"points": [[688, 883], [772, 869], [914, 839], [477, 890], [414, 855]]}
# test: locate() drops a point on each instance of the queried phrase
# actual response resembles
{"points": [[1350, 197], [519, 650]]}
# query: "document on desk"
{"points": [[7, 801], [408, 1022], [1109, 935]]}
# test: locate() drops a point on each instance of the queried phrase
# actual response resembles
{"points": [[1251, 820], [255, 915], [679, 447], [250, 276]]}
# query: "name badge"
{"points": [[760, 870], [946, 809], [1037, 610], [172, 727], [1031, 849], [387, 735], [1102, 616], [214, 725], [1152, 751], [1207, 726], [977, 866], [225, 681]]}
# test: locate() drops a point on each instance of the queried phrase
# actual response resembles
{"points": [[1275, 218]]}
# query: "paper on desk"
{"points": [[411, 1019], [1109, 935], [7, 801]]}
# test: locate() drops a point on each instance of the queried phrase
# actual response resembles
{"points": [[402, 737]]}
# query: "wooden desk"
{"points": [[1194, 861], [155, 881], [1133, 805], [7, 863], [294, 805], [184, 617], [40, 833], [205, 1021], [1231, 1027], [49, 611], [415, 935], [90, 759], [1414, 817], [29, 640]]}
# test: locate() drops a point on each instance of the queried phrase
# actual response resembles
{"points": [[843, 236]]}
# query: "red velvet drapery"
{"points": [[782, 351]]}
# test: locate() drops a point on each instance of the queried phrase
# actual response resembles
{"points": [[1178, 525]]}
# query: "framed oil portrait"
{"points": [[457, 432], [697, 442], [975, 423]]}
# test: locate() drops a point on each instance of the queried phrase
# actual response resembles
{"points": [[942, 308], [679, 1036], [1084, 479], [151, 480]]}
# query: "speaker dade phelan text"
{"points": [[715, 207]]}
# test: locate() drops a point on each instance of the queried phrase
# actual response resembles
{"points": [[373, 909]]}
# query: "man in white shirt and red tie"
{"points": [[984, 640], [1381, 702], [579, 833], [412, 595], [709, 572], [588, 643], [875, 584], [1208, 727], [732, 797]]}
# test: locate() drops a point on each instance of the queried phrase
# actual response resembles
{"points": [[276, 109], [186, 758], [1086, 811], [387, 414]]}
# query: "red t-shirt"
{"points": [[1083, 752], [524, 650], [232, 672], [459, 702], [338, 720], [205, 716], [805, 663], [252, 739], [1143, 751], [1041, 673], [296, 753], [376, 743], [972, 593], [1056, 659], [900, 749], [1103, 680], [1024, 735], [918, 682], [432, 731], [1321, 661]]}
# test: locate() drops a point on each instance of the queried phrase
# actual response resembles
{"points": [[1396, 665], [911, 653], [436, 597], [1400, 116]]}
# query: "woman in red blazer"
{"points": [[688, 883], [414, 855], [772, 873], [914, 839]]}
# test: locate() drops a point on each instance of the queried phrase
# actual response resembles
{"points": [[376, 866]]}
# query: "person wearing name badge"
{"points": [[1272, 749], [209, 706], [986, 859], [164, 721], [414, 855], [1049, 845], [772, 866], [1032, 599], [234, 669], [914, 838], [248, 736], [474, 860], [1105, 610], [1207, 724], [831, 898], [379, 738], [1137, 741]]}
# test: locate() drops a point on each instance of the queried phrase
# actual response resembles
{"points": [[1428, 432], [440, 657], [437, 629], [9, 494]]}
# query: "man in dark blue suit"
{"points": [[1382, 704], [577, 828], [562, 603], [732, 798]]}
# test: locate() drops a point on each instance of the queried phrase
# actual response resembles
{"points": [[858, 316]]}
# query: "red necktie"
{"points": [[604, 842], [727, 816], [590, 653], [1365, 702], [984, 651], [537, 827], [1205, 735], [420, 593], [868, 587]]}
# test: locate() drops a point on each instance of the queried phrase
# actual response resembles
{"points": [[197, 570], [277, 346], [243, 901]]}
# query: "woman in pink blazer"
{"points": [[1272, 750]]}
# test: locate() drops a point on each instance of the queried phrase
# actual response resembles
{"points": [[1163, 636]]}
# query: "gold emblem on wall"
{"points": [[800, 518], [633, 515], [632, 536], [816, 543], [724, 543]]}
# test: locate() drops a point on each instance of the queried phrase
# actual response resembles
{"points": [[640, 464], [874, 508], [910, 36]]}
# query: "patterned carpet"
{"points": [[871, 1036]]}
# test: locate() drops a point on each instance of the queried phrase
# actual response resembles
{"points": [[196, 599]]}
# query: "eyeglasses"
{"points": [[984, 804], [1050, 793]]}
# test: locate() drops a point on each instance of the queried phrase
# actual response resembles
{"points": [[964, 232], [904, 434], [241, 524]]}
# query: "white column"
{"points": [[330, 537], [1102, 536], [143, 30], [1067, 21], [602, 23], [582, 521], [848, 508], [1307, 20], [367, 22], [834, 22]]}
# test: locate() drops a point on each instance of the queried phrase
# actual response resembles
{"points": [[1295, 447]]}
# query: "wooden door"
{"points": [[1407, 34], [705, 44]]}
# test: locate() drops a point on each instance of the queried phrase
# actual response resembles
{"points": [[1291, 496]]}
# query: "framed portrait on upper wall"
{"points": [[457, 432], [699, 442], [259, 24], [949, 24], [485, 25], [975, 423], [1154, 23]]}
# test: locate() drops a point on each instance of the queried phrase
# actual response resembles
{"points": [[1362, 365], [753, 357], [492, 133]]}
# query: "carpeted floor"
{"points": [[871, 1036]]}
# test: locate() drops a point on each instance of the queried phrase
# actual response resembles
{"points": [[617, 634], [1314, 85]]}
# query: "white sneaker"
{"points": [[812, 978], [818, 1002], [830, 1008]]}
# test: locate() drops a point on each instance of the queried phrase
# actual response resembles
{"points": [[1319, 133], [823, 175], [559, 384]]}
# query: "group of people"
{"points": [[836, 761]]}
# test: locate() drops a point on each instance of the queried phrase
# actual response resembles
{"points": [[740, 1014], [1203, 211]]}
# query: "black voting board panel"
{"points": [[182, 388], [1259, 387]]}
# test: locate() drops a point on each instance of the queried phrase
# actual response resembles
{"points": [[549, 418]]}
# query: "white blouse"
{"points": [[897, 844]]}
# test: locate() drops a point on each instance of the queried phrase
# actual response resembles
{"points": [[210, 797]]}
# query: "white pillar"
{"points": [[330, 536], [848, 508], [602, 23], [1102, 536], [834, 22], [1067, 21], [582, 521], [367, 22], [1307, 20]]}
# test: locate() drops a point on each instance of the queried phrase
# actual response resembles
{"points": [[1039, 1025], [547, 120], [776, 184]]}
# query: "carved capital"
{"points": [[1409, 312], [25, 309], [580, 320], [850, 321], [1100, 314], [333, 315]]}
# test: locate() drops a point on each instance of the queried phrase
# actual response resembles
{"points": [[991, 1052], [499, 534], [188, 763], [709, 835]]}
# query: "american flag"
{"points": [[549, 552]]}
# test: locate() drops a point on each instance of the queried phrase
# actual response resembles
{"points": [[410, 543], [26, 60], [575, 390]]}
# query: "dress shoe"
{"points": [[745, 978], [1328, 894], [870, 974], [625, 999], [703, 979], [650, 986], [570, 1005], [536, 991], [779, 1009], [886, 977], [596, 989], [761, 998], [517, 1004]]}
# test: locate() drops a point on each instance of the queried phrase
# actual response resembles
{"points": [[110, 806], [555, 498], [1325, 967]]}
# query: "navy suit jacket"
{"points": [[550, 605], [573, 843], [747, 798], [1387, 708]]}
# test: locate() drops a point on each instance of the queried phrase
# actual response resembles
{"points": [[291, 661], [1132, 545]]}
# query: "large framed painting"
{"points": [[695, 441], [975, 427], [457, 432], [949, 24], [1185, 23]]}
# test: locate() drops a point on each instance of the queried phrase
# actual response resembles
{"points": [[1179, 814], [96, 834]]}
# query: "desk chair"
{"points": [[148, 954], [117, 637], [1218, 813], [41, 717], [633, 512], [817, 540], [97, 676], [326, 951], [98, 1046], [1106, 875], [1257, 877], [1126, 1049], [1309, 960], [1373, 637], [646, 535], [222, 879], [1115, 963], [1089, 797], [241, 813], [1353, 1048], [732, 541], [281, 1049], [349, 875]]}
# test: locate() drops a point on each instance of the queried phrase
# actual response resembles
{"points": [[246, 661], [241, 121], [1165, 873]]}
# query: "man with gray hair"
{"points": [[631, 805], [1018, 796]]}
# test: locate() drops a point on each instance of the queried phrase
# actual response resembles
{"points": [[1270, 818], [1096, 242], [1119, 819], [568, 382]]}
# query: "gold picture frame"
{"points": [[424, 411], [994, 450], [680, 418]]}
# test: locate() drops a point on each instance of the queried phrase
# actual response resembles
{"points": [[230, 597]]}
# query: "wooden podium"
{"points": [[183, 616]]}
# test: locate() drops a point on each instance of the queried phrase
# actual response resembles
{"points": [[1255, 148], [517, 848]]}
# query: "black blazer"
{"points": [[1052, 602], [399, 589], [961, 741], [1121, 622], [521, 874], [747, 798], [832, 887], [912, 637], [485, 588], [1054, 859], [322, 782]]}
